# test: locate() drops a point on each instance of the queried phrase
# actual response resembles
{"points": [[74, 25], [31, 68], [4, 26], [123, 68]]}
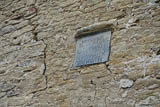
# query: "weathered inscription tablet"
{"points": [[92, 49]]}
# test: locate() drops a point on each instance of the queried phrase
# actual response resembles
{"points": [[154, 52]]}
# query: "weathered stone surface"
{"points": [[7, 29], [154, 86], [125, 83], [149, 101], [2, 71], [6, 87], [38, 36], [19, 101], [158, 76], [22, 24], [2, 94], [97, 27], [3, 104], [31, 2]]}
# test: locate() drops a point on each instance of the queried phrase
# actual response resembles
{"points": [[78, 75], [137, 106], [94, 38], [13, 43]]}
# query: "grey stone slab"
{"points": [[92, 49]]}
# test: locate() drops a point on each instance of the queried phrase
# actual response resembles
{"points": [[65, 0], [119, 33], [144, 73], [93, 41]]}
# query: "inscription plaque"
{"points": [[92, 49]]}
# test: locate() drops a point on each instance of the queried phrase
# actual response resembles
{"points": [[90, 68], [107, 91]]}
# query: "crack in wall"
{"points": [[95, 93], [107, 68], [105, 100], [46, 81], [35, 33], [95, 90], [44, 58]]}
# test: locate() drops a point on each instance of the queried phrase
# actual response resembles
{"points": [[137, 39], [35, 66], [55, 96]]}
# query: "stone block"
{"points": [[6, 87], [126, 83], [7, 29]]}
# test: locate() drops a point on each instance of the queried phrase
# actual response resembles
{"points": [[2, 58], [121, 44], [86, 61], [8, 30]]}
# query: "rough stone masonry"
{"points": [[37, 47]]}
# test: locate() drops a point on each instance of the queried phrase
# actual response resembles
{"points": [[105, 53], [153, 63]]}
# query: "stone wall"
{"points": [[37, 51]]}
